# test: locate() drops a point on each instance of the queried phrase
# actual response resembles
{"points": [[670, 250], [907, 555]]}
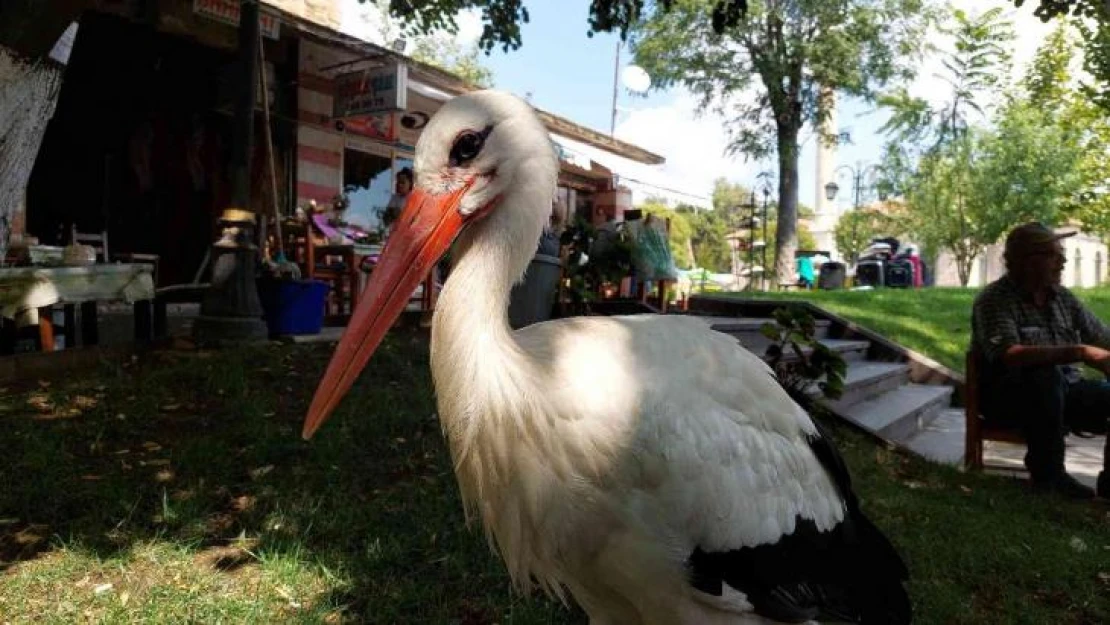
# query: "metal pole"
{"points": [[858, 177], [616, 73], [751, 244], [763, 276]]}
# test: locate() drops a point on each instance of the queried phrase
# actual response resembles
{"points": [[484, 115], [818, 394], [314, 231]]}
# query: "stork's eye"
{"points": [[467, 146]]}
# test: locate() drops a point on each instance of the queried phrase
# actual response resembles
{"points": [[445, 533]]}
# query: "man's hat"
{"points": [[1031, 236]]}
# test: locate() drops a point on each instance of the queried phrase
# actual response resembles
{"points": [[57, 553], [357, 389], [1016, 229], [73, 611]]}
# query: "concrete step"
{"points": [[898, 414], [738, 326], [942, 440], [867, 379], [849, 350]]}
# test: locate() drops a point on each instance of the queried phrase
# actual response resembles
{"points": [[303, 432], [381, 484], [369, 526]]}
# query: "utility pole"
{"points": [[616, 77]]}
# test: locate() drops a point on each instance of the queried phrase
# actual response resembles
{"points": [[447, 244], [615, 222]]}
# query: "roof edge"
{"points": [[446, 81]]}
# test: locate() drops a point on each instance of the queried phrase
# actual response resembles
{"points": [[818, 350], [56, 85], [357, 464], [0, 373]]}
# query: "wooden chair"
{"points": [[657, 297], [315, 260], [99, 242], [977, 428], [96, 240], [139, 258]]}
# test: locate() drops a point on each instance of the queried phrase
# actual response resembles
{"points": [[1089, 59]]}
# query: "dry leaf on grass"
{"points": [[261, 472], [84, 402], [40, 402]]}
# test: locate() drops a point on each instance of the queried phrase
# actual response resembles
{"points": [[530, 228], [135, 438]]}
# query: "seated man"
{"points": [[1030, 331]]}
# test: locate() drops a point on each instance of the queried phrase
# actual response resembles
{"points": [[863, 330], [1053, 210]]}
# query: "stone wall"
{"points": [[1086, 267], [323, 12]]}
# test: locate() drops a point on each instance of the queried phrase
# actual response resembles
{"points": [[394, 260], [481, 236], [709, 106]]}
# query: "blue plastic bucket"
{"points": [[293, 306]]}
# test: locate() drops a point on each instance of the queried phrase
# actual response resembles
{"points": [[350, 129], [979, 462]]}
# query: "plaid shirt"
{"points": [[1004, 315]]}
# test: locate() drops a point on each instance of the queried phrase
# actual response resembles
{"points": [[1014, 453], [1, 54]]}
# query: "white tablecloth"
{"points": [[23, 290]]}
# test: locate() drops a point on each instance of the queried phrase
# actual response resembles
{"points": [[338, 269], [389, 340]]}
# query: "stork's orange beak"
{"points": [[422, 234]]}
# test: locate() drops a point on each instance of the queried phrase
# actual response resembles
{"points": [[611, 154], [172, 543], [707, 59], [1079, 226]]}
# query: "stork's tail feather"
{"points": [[850, 573], [875, 584]]}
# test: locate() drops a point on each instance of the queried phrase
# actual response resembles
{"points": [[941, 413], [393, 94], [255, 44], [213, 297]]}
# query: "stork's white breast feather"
{"points": [[651, 424]]}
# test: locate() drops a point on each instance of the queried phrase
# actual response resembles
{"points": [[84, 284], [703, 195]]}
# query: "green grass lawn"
{"points": [[176, 489], [935, 322]]}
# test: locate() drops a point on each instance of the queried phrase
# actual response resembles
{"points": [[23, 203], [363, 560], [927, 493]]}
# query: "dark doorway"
{"points": [[136, 146]]}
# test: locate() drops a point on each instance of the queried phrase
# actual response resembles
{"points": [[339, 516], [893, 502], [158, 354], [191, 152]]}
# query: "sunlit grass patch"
{"points": [[934, 321]]}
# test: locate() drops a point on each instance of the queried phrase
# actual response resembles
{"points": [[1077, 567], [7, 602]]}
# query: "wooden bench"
{"points": [[977, 429]]}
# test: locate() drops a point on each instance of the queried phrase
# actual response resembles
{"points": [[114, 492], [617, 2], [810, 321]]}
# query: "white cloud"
{"points": [[366, 21], [470, 27], [693, 144]]}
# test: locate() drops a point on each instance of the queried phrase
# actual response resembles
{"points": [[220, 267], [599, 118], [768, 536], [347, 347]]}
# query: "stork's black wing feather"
{"points": [[848, 573]]}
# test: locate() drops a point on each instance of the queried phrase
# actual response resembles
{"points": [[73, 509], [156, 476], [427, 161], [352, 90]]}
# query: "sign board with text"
{"points": [[227, 11], [372, 91]]}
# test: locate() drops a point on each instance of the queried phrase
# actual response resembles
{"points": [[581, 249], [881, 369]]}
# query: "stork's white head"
{"points": [[492, 144], [486, 171]]}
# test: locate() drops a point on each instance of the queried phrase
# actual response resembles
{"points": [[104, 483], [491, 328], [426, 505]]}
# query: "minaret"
{"points": [[825, 213]]}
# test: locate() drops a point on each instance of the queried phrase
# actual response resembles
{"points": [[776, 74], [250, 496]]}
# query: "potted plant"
{"points": [[595, 258]]}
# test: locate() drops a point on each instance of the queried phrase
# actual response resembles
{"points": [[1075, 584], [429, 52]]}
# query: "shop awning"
{"points": [[645, 181]]}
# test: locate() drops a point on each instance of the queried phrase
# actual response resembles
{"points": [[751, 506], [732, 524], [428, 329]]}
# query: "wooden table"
{"points": [[28, 293]]}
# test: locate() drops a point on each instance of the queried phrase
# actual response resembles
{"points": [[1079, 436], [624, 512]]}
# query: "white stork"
{"points": [[647, 464]]}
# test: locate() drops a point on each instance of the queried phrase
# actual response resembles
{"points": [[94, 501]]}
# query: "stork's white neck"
{"points": [[475, 298], [474, 354]]}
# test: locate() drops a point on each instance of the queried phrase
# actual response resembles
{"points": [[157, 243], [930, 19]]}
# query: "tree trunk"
{"points": [[28, 95], [963, 268], [786, 232]]}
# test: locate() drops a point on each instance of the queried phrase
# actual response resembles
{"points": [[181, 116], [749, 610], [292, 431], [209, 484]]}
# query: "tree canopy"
{"points": [[856, 229], [439, 48], [773, 72], [967, 179], [1049, 9], [502, 18]]}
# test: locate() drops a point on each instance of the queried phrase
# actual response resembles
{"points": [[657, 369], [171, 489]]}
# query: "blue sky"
{"points": [[571, 74]]}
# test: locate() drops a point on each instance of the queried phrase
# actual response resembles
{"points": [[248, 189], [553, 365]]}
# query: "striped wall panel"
{"points": [[319, 146]]}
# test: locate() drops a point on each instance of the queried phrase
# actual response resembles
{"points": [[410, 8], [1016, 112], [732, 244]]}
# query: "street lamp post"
{"points": [[763, 276], [634, 78], [858, 173], [752, 221]]}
